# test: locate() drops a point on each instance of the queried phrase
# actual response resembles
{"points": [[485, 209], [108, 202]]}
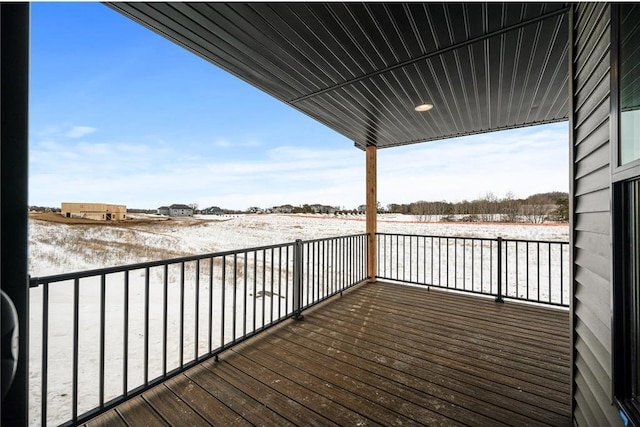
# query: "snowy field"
{"points": [[58, 248], [257, 285]]}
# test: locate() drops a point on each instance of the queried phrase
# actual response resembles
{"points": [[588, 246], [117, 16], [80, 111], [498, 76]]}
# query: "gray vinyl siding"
{"points": [[591, 201]]}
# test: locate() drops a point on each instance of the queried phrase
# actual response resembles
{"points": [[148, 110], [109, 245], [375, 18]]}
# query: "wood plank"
{"points": [[428, 343], [172, 408], [371, 409], [137, 412], [526, 392], [497, 320], [207, 406], [443, 386], [341, 374], [467, 339], [235, 399], [426, 317], [439, 310], [382, 354], [277, 402], [108, 419], [314, 401]]}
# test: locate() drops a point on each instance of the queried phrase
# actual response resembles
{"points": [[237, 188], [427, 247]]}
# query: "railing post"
{"points": [[499, 266], [297, 280]]}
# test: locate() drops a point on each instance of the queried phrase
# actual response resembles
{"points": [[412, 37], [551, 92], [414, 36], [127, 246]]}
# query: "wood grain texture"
{"points": [[382, 354]]}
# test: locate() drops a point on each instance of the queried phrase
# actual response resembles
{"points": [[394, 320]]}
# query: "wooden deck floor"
{"points": [[382, 354]]}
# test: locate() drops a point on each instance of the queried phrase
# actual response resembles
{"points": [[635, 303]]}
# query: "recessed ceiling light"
{"points": [[423, 107]]}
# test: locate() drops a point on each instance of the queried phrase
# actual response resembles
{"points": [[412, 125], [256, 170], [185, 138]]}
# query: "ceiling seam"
{"points": [[433, 54]]}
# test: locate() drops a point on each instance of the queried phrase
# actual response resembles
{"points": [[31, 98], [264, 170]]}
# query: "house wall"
{"points": [[180, 212], [95, 211], [591, 231]]}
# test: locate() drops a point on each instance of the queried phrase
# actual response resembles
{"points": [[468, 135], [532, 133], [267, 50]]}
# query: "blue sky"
{"points": [[119, 114]]}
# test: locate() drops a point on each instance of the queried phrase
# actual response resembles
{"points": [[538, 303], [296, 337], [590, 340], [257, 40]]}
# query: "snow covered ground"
{"points": [[61, 248]]}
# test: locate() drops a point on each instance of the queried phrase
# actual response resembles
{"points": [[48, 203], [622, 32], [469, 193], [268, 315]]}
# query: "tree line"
{"points": [[537, 208]]}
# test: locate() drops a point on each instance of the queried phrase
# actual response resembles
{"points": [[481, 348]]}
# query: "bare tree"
{"points": [[421, 209], [510, 208], [535, 213]]}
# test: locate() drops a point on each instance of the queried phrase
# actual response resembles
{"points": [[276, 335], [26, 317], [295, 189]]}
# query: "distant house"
{"points": [[180, 210], [163, 210], [323, 209], [282, 209], [94, 211], [213, 210]]}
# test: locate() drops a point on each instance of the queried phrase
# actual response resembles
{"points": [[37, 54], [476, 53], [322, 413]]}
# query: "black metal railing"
{"points": [[530, 270], [145, 323]]}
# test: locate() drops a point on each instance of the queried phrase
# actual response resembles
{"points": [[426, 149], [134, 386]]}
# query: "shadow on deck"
{"points": [[383, 354]]}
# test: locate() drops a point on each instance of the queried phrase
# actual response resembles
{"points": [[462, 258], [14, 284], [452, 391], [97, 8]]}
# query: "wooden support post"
{"points": [[372, 211]]}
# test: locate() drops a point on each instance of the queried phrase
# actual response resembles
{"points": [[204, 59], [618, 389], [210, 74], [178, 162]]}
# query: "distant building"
{"points": [[282, 209], [180, 210], [95, 211], [163, 210], [323, 209], [213, 210]]}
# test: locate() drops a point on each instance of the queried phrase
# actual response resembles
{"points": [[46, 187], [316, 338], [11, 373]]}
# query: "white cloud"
{"points": [[145, 175], [80, 131], [224, 143]]}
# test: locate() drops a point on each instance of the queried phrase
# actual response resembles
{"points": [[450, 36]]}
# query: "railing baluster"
{"points": [[45, 354], [76, 320], [473, 262], [528, 270], [447, 270], [464, 263], [210, 330], [517, 279], [491, 266], [286, 279], [146, 326], [482, 267], [561, 275], [264, 283], [455, 262], [181, 350], [499, 274], [271, 287], [235, 297], [102, 337], [279, 282], [223, 300], [244, 301], [165, 317], [538, 268], [255, 285], [297, 279], [197, 312], [333, 265], [125, 346], [549, 250]]}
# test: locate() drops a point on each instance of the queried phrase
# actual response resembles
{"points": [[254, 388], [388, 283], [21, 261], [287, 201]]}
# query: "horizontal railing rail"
{"points": [[141, 324], [529, 270]]}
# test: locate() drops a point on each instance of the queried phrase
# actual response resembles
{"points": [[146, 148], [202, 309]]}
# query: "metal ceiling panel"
{"points": [[361, 68]]}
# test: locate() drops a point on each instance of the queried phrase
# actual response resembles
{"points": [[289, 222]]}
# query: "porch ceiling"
{"points": [[361, 68]]}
